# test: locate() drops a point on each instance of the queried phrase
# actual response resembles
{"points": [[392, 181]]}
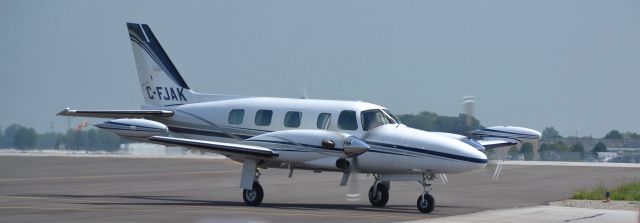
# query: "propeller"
{"points": [[353, 148], [494, 166]]}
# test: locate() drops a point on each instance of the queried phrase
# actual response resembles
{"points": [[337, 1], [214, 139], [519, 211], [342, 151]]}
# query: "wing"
{"points": [[492, 144], [231, 149], [116, 113], [507, 133]]}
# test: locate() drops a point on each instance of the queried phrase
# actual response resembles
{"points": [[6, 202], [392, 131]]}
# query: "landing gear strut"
{"points": [[379, 193], [425, 202], [254, 196]]}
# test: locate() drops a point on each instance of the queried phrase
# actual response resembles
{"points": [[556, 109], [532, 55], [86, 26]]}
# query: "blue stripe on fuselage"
{"points": [[430, 153]]}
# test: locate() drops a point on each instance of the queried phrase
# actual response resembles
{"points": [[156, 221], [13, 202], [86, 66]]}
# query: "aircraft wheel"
{"points": [[427, 204], [254, 196], [379, 198]]}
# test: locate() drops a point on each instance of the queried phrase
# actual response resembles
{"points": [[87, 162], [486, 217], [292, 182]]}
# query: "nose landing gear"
{"points": [[425, 202]]}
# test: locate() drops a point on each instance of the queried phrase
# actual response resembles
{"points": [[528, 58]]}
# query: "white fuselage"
{"points": [[394, 148]]}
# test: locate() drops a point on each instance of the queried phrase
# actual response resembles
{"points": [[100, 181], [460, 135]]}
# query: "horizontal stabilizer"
{"points": [[217, 147], [116, 113]]}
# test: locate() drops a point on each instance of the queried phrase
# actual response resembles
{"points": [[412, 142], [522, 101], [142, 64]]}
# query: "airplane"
{"points": [[292, 133]]}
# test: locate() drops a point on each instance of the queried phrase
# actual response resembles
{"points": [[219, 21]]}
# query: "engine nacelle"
{"points": [[134, 127], [316, 139], [508, 132]]}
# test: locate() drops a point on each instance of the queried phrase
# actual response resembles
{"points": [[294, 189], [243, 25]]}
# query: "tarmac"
{"points": [[541, 213], [140, 189]]}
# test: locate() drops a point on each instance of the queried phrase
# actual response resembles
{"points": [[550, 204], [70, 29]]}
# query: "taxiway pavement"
{"points": [[114, 189]]}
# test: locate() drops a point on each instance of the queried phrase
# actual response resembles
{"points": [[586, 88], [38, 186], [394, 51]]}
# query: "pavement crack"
{"points": [[577, 219]]}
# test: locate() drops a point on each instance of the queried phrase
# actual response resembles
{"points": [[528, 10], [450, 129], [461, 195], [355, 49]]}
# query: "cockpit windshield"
{"points": [[396, 120], [374, 118]]}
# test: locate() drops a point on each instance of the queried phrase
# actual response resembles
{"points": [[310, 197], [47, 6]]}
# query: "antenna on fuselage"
{"points": [[305, 91]]}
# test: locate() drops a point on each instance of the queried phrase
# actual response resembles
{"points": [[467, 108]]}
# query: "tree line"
{"points": [[552, 133], [430, 121], [19, 137]]}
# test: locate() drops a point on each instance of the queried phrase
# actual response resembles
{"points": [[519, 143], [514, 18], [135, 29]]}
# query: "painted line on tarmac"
{"points": [[120, 175]]}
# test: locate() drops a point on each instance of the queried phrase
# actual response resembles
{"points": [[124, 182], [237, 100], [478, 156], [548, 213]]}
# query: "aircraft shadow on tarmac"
{"points": [[184, 201]]}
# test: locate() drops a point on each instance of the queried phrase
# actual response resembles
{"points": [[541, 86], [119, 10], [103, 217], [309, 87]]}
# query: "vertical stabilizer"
{"points": [[160, 81]]}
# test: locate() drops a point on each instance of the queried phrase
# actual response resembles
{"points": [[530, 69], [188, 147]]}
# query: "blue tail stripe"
{"points": [[156, 51]]}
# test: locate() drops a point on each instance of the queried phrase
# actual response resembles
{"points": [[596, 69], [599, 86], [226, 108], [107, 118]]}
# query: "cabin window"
{"points": [[324, 119], [263, 117], [292, 119], [236, 116], [374, 118], [347, 120]]}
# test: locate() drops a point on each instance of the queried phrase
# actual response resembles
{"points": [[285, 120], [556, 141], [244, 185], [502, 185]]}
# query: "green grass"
{"points": [[624, 192]]}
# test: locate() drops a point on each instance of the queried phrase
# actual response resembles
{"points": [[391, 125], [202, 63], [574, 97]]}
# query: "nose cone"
{"points": [[475, 158], [427, 151], [476, 154], [456, 155]]}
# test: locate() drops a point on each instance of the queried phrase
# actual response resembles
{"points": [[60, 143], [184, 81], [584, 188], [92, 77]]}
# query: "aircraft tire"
{"points": [[426, 206], [382, 197], [254, 196]]}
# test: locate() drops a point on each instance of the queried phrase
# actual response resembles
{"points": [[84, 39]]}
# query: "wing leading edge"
{"points": [[116, 113], [231, 149], [492, 144]]}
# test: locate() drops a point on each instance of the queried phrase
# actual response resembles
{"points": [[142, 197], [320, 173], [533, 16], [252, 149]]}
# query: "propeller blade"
{"points": [[444, 179], [353, 193], [496, 173], [494, 167], [345, 178]]}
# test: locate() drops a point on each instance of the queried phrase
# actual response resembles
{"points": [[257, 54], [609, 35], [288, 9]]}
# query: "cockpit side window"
{"points": [[374, 118], [347, 120], [236, 116]]}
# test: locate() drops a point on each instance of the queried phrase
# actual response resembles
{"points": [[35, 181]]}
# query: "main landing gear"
{"points": [[253, 197]]}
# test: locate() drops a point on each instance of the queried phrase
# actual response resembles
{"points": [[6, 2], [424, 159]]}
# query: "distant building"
{"points": [[606, 156]]}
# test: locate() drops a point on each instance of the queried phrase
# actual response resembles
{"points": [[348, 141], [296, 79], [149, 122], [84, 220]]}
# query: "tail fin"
{"points": [[160, 81]]}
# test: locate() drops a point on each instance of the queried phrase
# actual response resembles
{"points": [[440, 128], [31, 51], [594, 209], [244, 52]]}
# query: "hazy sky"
{"points": [[574, 65]]}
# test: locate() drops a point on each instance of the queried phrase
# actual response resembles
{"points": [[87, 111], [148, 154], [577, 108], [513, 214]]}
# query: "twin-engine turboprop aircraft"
{"points": [[319, 135]]}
